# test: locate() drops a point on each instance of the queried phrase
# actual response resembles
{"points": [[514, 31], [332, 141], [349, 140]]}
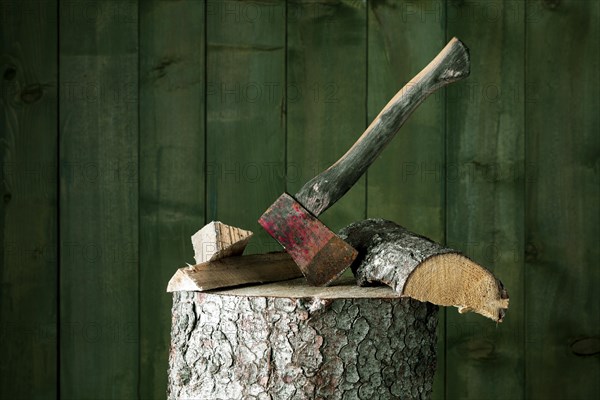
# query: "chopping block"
{"points": [[287, 340]]}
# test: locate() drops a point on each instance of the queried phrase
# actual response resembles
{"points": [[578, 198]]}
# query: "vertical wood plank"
{"points": [[245, 113], [406, 184], [28, 202], [99, 199], [485, 189], [326, 91], [171, 167], [563, 192]]}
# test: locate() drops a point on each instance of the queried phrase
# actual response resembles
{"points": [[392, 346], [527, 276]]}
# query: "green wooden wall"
{"points": [[126, 125]]}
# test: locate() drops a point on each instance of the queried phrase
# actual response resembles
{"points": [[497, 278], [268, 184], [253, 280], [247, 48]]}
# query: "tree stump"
{"points": [[288, 340]]}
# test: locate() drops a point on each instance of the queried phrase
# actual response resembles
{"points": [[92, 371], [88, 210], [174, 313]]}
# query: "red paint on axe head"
{"points": [[321, 254]]}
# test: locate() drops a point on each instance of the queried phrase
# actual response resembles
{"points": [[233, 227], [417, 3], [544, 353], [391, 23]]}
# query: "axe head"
{"points": [[321, 255]]}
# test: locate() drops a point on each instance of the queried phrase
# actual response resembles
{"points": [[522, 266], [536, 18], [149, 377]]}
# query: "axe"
{"points": [[292, 220]]}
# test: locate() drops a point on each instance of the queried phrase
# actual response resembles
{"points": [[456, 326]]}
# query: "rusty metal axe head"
{"points": [[321, 254]]}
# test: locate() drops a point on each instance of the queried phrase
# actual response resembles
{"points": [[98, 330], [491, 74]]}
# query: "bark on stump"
{"points": [[287, 340]]}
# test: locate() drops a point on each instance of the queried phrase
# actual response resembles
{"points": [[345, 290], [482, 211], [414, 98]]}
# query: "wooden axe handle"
{"points": [[450, 65]]}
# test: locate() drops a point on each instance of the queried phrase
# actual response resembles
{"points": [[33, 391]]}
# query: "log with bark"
{"points": [[289, 340], [418, 267]]}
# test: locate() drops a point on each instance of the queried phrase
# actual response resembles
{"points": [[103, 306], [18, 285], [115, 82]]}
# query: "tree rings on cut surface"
{"points": [[422, 269]]}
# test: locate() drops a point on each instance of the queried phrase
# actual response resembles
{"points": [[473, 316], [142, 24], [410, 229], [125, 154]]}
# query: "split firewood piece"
{"points": [[234, 271], [217, 240], [417, 267]]}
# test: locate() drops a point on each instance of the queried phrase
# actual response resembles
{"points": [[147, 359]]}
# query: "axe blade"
{"points": [[321, 255]]}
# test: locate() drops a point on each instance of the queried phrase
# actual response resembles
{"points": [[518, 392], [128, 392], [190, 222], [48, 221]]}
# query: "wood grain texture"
{"points": [[217, 240], [485, 193], [344, 288], [450, 65], [388, 252], [234, 271], [245, 113], [328, 42], [171, 167], [422, 269], [28, 200], [563, 192], [406, 184], [326, 67], [99, 200]]}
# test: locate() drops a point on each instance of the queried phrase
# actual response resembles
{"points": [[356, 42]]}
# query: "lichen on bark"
{"points": [[387, 252], [253, 347], [417, 267]]}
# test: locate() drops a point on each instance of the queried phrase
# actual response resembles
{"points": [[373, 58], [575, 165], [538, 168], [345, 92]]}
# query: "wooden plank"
{"points": [[171, 167], [235, 271], [451, 64], [98, 199], [485, 192], [563, 192], [406, 184], [326, 89], [28, 206], [345, 288], [245, 113]]}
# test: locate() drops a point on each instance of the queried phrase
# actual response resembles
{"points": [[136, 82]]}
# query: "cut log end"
{"points": [[452, 279], [420, 268]]}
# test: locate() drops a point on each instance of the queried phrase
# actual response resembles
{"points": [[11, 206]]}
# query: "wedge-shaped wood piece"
{"points": [[417, 267], [217, 240], [234, 271]]}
